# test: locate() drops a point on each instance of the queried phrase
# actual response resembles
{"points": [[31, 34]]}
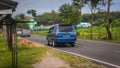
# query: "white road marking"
{"points": [[117, 52]]}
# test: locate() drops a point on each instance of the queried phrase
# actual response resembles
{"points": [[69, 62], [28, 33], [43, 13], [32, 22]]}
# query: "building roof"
{"points": [[6, 5], [47, 23]]}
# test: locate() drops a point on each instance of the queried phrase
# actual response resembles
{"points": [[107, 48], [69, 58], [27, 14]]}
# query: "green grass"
{"points": [[26, 55], [99, 34], [40, 33]]}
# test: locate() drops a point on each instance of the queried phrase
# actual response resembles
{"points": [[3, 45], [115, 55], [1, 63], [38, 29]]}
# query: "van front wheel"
{"points": [[53, 43], [48, 43]]}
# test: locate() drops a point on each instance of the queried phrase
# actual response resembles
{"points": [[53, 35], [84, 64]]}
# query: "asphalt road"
{"points": [[108, 53]]}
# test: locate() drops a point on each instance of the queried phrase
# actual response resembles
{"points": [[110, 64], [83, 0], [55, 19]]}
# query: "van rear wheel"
{"points": [[72, 44], [48, 43]]}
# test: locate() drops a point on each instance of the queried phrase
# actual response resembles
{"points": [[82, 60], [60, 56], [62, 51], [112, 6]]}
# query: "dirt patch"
{"points": [[35, 45], [51, 62], [28, 43]]}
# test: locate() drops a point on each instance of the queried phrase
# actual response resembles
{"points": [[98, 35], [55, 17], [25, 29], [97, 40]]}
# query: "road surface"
{"points": [[107, 53]]}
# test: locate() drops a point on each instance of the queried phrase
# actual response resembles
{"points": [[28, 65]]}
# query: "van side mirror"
{"points": [[75, 27]]}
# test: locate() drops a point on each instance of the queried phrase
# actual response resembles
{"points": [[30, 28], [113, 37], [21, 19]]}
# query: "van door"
{"points": [[50, 34]]}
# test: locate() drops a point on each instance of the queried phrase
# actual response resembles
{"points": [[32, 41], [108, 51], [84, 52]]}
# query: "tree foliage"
{"points": [[52, 16], [100, 18], [32, 12], [21, 17], [115, 23], [70, 14]]}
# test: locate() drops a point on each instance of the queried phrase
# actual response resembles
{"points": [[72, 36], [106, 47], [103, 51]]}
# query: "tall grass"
{"points": [[99, 33]]}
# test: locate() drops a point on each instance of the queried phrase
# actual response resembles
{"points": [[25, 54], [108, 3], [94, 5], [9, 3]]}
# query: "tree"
{"points": [[99, 22], [50, 16], [116, 23], [108, 23], [65, 13], [21, 17], [32, 12], [54, 16], [93, 6], [69, 14], [86, 17]]}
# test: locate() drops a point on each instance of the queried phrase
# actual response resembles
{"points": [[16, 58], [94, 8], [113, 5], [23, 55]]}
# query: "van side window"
{"points": [[63, 28], [51, 29], [54, 29]]}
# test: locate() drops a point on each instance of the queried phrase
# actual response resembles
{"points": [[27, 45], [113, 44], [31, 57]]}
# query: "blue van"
{"points": [[61, 33]]}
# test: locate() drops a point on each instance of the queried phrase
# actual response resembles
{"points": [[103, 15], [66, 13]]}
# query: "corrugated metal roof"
{"points": [[7, 4]]}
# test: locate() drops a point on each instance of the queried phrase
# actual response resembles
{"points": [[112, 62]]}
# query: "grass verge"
{"points": [[74, 61], [27, 55]]}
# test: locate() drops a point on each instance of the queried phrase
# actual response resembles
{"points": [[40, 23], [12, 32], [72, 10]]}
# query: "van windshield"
{"points": [[65, 28]]}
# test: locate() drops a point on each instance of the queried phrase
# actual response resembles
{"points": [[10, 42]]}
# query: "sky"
{"points": [[42, 6]]}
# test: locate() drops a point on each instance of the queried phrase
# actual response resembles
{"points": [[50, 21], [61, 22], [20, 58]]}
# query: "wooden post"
{"points": [[15, 50], [12, 43]]}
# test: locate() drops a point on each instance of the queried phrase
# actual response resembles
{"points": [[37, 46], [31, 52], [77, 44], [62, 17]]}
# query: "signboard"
{"points": [[8, 11]]}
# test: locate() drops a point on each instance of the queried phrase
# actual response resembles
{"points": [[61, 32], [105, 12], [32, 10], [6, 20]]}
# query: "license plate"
{"points": [[66, 35]]}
